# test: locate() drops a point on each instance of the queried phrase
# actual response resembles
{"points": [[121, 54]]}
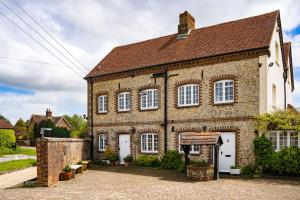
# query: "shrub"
{"points": [[110, 155], [147, 161], [172, 160], [67, 168], [248, 170], [263, 151], [7, 137], [128, 158], [198, 162]]}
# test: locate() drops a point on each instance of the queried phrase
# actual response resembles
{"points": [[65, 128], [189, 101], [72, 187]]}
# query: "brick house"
{"points": [[142, 96]]}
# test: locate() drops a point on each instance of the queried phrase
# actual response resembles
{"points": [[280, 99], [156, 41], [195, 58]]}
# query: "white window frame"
{"points": [[102, 108], [102, 142], [192, 150], [152, 150], [123, 97], [288, 138], [223, 92], [153, 100], [183, 102]]}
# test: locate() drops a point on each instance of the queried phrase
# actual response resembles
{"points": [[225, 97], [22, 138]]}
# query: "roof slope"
{"points": [[288, 58], [5, 125], [240, 35], [55, 120]]}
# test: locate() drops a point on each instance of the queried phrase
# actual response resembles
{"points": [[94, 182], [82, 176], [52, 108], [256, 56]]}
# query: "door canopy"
{"points": [[202, 138]]}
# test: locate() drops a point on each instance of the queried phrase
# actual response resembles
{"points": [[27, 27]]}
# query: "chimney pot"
{"points": [[186, 24], [48, 112]]}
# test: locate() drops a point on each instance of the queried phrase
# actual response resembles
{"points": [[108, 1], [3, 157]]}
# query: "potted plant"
{"points": [[235, 170], [110, 155], [127, 160], [113, 159], [67, 173]]}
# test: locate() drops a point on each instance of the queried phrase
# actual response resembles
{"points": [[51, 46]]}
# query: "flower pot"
{"points": [[67, 176], [235, 171]]}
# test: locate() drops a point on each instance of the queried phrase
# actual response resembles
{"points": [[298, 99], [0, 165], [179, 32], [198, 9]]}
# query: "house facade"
{"points": [[142, 96]]}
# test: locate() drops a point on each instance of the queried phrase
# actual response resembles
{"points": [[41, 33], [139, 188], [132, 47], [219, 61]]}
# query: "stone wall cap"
{"points": [[51, 139]]}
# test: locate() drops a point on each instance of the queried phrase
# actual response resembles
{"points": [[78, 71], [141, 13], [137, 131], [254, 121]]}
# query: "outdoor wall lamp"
{"points": [[204, 128], [173, 129], [132, 130]]}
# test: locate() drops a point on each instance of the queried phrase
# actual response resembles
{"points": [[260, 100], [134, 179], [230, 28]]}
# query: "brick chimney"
{"points": [[48, 113], [186, 25]]}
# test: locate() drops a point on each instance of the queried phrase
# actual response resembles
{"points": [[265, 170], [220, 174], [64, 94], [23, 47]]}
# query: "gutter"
{"points": [[92, 121]]}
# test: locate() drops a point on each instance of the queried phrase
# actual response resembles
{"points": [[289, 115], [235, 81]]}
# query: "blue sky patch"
{"points": [[10, 89], [295, 31]]}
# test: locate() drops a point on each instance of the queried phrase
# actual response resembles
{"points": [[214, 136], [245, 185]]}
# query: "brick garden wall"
{"points": [[53, 154]]}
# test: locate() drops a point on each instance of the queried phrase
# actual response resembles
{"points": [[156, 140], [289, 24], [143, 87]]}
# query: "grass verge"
{"points": [[16, 165], [19, 150]]}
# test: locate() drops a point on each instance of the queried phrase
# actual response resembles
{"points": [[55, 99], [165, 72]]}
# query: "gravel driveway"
{"points": [[124, 183]]}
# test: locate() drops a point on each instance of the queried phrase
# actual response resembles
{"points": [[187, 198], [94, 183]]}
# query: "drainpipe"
{"points": [[284, 86], [92, 120], [166, 108]]}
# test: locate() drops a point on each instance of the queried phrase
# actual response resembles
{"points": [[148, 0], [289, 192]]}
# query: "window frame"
{"points": [[224, 101], [104, 104], [124, 94], [147, 143], [192, 150], [185, 96], [279, 145], [153, 91], [102, 138]]}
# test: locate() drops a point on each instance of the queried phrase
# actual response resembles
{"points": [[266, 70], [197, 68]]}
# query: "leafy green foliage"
{"points": [[128, 158], [67, 168], [248, 170], [172, 160], [198, 162], [110, 155], [263, 151], [7, 137], [284, 162], [147, 161], [78, 124], [21, 129], [279, 120]]}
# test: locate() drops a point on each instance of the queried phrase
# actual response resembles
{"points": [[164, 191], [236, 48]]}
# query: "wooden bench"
{"points": [[76, 169], [85, 164]]}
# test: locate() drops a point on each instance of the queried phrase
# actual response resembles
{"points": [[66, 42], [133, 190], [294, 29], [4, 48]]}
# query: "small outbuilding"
{"points": [[201, 172]]}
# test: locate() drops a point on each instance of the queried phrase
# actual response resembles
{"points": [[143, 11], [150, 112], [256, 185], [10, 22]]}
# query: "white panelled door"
{"points": [[227, 152], [124, 147]]}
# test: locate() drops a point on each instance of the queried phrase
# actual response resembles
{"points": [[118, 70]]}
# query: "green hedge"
{"points": [[7, 137], [172, 160], [147, 161], [284, 162]]}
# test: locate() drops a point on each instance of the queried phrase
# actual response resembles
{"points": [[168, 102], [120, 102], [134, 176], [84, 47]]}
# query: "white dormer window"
{"points": [[102, 104], [124, 101], [223, 91], [149, 99], [188, 95]]}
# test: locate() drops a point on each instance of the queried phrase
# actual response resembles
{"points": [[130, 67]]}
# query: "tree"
{"points": [[21, 128], [78, 124]]}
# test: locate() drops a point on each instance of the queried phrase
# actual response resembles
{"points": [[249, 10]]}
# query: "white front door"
{"points": [[124, 147], [227, 152]]}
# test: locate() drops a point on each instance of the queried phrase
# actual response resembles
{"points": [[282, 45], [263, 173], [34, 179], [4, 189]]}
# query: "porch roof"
{"points": [[202, 138]]}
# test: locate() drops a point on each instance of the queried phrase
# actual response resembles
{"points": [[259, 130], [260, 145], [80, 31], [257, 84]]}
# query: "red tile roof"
{"points": [[5, 125], [235, 36], [55, 120]]}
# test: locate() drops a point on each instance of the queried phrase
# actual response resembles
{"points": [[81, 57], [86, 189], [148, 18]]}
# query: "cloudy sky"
{"points": [[32, 79]]}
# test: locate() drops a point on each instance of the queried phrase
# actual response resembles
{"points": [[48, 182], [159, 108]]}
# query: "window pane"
{"points": [[188, 94], [144, 101], [181, 95], [219, 91], [127, 96], [228, 90], [155, 104], [294, 139], [282, 140], [195, 148], [272, 136], [149, 93], [155, 142], [150, 144], [144, 142], [104, 103], [196, 94]]}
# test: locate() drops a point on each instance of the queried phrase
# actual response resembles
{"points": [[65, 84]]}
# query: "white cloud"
{"points": [[90, 29]]}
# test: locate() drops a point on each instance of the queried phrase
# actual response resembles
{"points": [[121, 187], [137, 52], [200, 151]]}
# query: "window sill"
{"points": [[123, 111], [223, 103], [101, 113], [187, 106], [148, 109], [149, 152]]}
